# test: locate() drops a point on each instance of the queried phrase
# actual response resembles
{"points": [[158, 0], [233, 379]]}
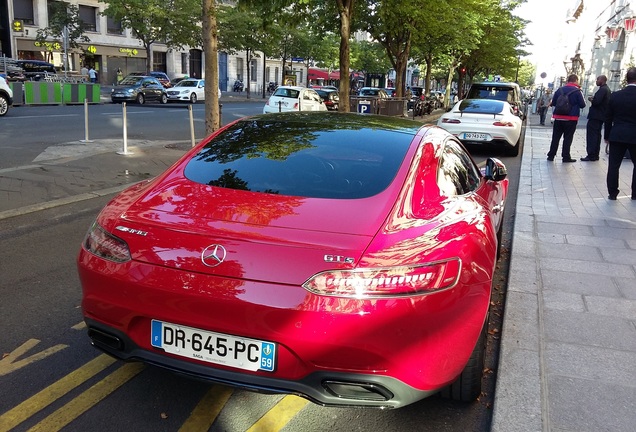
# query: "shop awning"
{"points": [[315, 73], [335, 75]]}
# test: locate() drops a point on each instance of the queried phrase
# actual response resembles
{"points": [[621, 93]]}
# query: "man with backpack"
{"points": [[567, 102]]}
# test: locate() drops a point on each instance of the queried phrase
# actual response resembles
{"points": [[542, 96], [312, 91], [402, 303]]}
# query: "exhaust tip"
{"points": [[105, 339], [357, 391]]}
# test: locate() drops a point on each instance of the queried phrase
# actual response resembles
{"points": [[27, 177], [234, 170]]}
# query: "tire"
{"points": [[141, 99], [467, 387], [193, 98], [4, 105], [164, 98], [500, 236], [514, 151]]}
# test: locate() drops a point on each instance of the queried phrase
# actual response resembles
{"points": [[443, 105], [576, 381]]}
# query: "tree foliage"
{"points": [[172, 22], [62, 15]]}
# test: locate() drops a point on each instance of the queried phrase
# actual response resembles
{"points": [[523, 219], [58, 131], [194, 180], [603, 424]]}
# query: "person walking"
{"points": [[596, 118], [542, 105], [566, 116], [620, 132]]}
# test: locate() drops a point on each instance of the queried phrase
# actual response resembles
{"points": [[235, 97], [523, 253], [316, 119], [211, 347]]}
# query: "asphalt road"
{"points": [[53, 379]]}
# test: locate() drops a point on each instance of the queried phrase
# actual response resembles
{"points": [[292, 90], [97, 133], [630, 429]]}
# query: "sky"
{"points": [[548, 18]]}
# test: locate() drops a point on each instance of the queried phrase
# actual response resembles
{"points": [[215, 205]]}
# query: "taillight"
{"points": [[505, 124], [390, 281], [296, 105], [454, 121], [103, 244]]}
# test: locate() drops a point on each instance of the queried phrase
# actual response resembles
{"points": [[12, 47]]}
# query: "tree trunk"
{"points": [[247, 72], [345, 10], [210, 47], [148, 58], [427, 79]]}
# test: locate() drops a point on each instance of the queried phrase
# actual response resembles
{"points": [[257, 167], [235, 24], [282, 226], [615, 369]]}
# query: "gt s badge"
{"points": [[339, 258]]}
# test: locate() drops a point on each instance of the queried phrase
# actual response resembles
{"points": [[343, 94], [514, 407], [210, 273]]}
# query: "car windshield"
{"points": [[369, 92], [481, 106], [187, 83], [131, 80], [345, 157], [287, 93]]}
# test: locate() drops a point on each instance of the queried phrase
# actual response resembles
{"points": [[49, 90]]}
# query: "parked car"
{"points": [[189, 90], [140, 89], [330, 98], [345, 258], [10, 70], [35, 70], [6, 97], [373, 92], [484, 122], [294, 98], [503, 91], [162, 77], [390, 91], [416, 94]]}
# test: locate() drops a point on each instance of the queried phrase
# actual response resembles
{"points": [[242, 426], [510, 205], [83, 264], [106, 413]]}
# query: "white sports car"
{"points": [[188, 90], [484, 122]]}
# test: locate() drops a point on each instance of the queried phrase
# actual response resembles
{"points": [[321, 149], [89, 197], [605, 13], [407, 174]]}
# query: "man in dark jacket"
{"points": [[620, 132], [596, 118], [565, 124]]}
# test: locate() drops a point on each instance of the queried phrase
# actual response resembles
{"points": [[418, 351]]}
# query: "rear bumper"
{"points": [[323, 388]]}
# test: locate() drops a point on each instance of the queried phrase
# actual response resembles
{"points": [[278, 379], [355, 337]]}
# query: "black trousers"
{"points": [[565, 129], [593, 138], [617, 151], [542, 112]]}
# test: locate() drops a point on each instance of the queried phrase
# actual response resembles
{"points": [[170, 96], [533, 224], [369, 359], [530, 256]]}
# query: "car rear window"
{"points": [[492, 92], [287, 93], [344, 157], [481, 106]]}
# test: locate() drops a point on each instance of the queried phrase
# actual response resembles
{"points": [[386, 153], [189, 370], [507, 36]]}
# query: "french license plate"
{"points": [[118, 94], [218, 348], [476, 136]]}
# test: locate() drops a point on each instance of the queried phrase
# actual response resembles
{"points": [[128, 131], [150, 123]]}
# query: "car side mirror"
{"points": [[495, 170]]}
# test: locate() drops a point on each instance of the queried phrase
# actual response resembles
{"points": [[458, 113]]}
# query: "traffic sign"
{"points": [[364, 107]]}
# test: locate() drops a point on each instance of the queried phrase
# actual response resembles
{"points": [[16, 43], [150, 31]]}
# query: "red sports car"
{"points": [[346, 258]]}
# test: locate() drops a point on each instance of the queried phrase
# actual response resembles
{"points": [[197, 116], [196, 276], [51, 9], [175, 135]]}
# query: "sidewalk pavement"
{"points": [[568, 349]]}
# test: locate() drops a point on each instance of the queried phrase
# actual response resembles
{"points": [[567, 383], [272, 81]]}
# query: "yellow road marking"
{"points": [[279, 415], [207, 409], [88, 399], [79, 326], [8, 364], [35, 403]]}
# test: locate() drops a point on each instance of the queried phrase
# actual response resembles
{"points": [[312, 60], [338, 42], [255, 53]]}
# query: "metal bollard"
{"points": [[86, 140], [125, 131]]}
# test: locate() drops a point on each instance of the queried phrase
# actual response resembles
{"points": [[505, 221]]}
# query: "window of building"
{"points": [[276, 74], [253, 70], [184, 63], [239, 69], [88, 15], [23, 10], [114, 26], [159, 61]]}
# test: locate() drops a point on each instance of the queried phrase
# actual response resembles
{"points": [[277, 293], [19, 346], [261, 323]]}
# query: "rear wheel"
{"points": [[514, 151], [141, 99], [467, 387], [193, 98]]}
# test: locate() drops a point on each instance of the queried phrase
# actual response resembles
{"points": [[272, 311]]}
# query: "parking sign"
{"points": [[364, 107]]}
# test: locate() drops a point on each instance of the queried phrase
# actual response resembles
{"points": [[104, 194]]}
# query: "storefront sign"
{"points": [[49, 46], [18, 27], [629, 24], [91, 49], [129, 51]]}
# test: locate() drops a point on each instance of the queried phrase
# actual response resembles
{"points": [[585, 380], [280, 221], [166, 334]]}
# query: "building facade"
{"points": [[112, 48]]}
